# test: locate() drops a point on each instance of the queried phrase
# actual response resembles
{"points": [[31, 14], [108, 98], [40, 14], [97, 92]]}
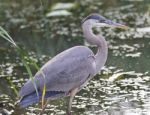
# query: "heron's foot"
{"points": [[69, 113]]}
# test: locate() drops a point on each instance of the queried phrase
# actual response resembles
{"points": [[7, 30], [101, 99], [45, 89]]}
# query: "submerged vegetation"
{"points": [[41, 29]]}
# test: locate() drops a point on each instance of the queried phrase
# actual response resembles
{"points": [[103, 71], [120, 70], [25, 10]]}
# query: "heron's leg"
{"points": [[72, 94], [43, 108]]}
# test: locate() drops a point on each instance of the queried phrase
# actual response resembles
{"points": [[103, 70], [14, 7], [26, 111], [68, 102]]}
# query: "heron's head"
{"points": [[97, 20]]}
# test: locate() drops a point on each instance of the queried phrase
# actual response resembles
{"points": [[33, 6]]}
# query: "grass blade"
{"points": [[6, 36]]}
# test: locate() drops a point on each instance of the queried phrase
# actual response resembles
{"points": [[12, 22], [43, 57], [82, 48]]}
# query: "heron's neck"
{"points": [[98, 40]]}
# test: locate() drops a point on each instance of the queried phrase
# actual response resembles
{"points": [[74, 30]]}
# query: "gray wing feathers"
{"points": [[72, 76], [64, 72]]}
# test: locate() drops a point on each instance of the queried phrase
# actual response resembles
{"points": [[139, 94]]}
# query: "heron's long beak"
{"points": [[116, 25]]}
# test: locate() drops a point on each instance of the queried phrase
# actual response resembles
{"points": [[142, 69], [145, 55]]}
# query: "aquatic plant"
{"points": [[25, 59]]}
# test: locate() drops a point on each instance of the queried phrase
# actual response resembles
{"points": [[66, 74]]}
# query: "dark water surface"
{"points": [[45, 28]]}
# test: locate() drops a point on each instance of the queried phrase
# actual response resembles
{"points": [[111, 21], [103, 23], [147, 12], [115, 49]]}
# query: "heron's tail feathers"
{"points": [[34, 98]]}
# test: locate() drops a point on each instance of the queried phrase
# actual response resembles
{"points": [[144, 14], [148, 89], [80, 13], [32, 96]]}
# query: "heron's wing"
{"points": [[73, 75], [68, 70]]}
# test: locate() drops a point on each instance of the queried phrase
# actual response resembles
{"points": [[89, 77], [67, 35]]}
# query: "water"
{"points": [[44, 29]]}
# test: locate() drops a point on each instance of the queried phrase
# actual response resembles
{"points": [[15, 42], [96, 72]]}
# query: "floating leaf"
{"points": [[137, 54], [63, 6], [121, 75], [58, 13], [144, 30]]}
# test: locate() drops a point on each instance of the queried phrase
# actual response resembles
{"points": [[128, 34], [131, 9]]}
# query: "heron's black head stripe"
{"points": [[94, 16]]}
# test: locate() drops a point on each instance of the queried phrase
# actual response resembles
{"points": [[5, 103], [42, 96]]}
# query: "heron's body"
{"points": [[69, 71], [65, 72]]}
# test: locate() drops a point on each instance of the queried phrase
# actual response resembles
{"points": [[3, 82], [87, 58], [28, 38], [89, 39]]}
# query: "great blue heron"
{"points": [[69, 71]]}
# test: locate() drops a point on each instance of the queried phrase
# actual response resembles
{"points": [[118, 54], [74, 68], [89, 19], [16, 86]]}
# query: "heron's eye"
{"points": [[102, 21]]}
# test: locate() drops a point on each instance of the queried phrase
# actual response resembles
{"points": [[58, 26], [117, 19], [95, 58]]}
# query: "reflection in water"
{"points": [[43, 36]]}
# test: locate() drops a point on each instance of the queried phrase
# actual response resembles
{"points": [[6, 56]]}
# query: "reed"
{"points": [[25, 59]]}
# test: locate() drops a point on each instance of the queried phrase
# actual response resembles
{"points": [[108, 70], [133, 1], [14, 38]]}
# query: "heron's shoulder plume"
{"points": [[93, 16]]}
